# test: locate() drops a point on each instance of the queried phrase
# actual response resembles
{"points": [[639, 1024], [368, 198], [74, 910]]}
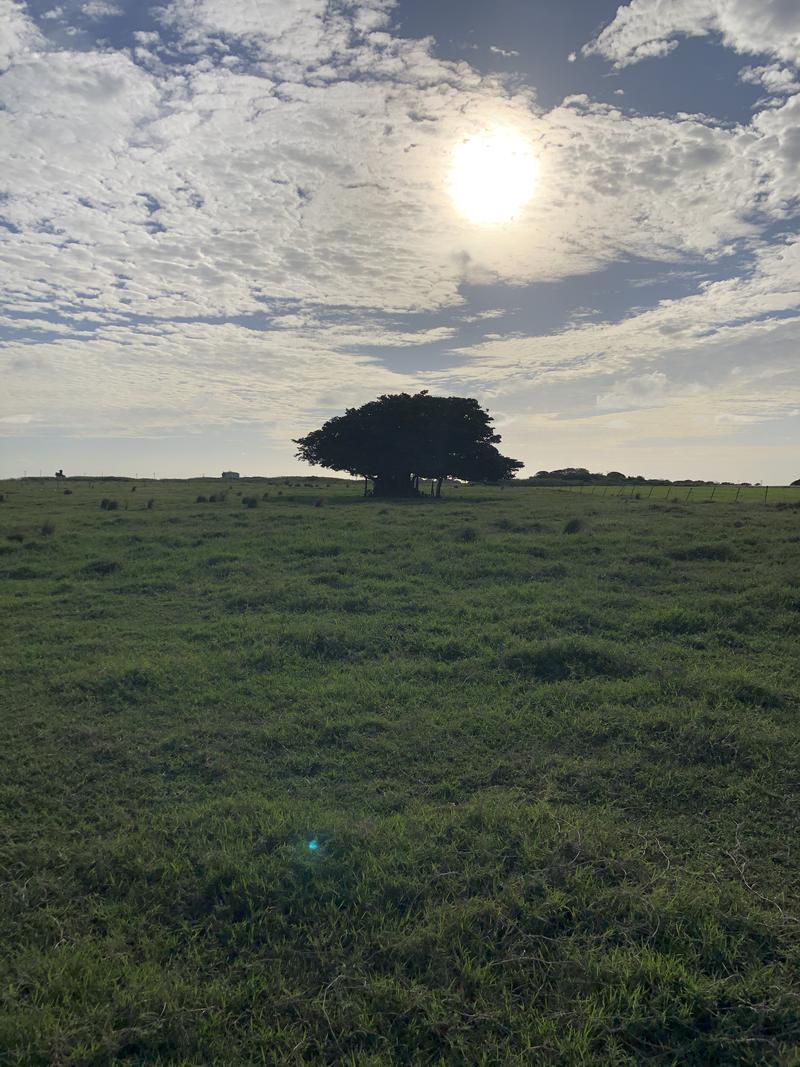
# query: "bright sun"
{"points": [[492, 176]]}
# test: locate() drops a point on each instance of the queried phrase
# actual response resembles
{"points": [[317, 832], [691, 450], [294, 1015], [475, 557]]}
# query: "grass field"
{"points": [[430, 782]]}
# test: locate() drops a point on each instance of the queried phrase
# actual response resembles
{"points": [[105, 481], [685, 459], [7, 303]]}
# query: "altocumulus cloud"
{"points": [[235, 213]]}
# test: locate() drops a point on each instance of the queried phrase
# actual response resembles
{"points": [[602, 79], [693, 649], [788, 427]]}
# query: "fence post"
{"points": [[766, 490], [689, 493], [739, 489], [713, 490]]}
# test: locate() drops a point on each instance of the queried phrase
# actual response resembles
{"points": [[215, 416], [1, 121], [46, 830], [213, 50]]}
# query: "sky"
{"points": [[223, 222]]}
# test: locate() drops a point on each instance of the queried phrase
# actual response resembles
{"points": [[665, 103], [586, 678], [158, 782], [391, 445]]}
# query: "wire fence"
{"points": [[700, 494]]}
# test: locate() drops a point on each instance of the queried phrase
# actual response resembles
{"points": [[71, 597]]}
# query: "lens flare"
{"points": [[493, 175]]}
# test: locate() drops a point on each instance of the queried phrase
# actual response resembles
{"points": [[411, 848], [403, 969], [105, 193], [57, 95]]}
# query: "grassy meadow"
{"points": [[503, 779]]}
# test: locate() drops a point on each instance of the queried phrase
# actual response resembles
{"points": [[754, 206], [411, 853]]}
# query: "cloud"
{"points": [[18, 34], [635, 392], [774, 78], [503, 51], [100, 9], [644, 29]]}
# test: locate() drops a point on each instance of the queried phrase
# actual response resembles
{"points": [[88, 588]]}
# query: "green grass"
{"points": [[551, 777]]}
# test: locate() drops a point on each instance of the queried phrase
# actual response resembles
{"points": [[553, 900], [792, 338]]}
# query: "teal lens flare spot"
{"points": [[313, 844]]}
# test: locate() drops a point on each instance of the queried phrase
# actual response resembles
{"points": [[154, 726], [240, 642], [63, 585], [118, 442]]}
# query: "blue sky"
{"points": [[223, 221]]}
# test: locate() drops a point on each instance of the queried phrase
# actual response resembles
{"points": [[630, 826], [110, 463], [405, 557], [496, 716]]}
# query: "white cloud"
{"points": [[646, 28], [101, 9], [18, 34], [776, 79]]}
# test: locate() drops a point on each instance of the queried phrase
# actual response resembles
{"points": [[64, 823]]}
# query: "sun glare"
{"points": [[493, 175]]}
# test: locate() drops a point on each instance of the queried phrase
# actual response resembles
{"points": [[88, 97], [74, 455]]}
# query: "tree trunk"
{"points": [[439, 487], [366, 486], [393, 485]]}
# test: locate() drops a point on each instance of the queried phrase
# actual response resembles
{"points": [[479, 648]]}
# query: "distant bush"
{"points": [[67, 492], [15, 536], [265, 496], [109, 505], [47, 528], [468, 534], [201, 499], [100, 568], [319, 503], [720, 552], [250, 501], [574, 526], [2, 497], [150, 504], [133, 488]]}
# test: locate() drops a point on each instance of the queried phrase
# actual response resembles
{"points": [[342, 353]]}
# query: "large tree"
{"points": [[398, 439]]}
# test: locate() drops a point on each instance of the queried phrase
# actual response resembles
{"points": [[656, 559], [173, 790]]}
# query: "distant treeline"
{"points": [[582, 476]]}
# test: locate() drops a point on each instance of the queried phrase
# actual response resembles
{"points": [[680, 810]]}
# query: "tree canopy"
{"points": [[399, 438]]}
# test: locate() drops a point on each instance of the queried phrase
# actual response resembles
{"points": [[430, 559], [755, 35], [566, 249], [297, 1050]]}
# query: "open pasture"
{"points": [[506, 778]]}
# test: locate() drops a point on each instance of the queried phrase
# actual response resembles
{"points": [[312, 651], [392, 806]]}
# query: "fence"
{"points": [[699, 494]]}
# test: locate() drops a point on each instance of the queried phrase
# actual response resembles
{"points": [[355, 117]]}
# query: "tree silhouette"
{"points": [[398, 439]]}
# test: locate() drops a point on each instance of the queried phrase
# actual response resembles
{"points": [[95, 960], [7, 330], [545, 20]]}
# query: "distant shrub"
{"points": [[100, 568], [2, 497], [280, 492], [47, 528], [67, 492], [573, 526], [250, 501], [721, 552], [15, 535], [468, 534], [265, 496], [108, 505], [319, 503], [150, 504], [133, 488], [201, 499]]}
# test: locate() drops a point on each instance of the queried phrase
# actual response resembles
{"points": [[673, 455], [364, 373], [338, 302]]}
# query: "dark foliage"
{"points": [[398, 439], [100, 568], [201, 499], [721, 552], [573, 526], [47, 528], [109, 505], [250, 501]]}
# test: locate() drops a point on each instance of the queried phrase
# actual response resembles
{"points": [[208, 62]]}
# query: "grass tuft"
{"points": [[573, 526]]}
